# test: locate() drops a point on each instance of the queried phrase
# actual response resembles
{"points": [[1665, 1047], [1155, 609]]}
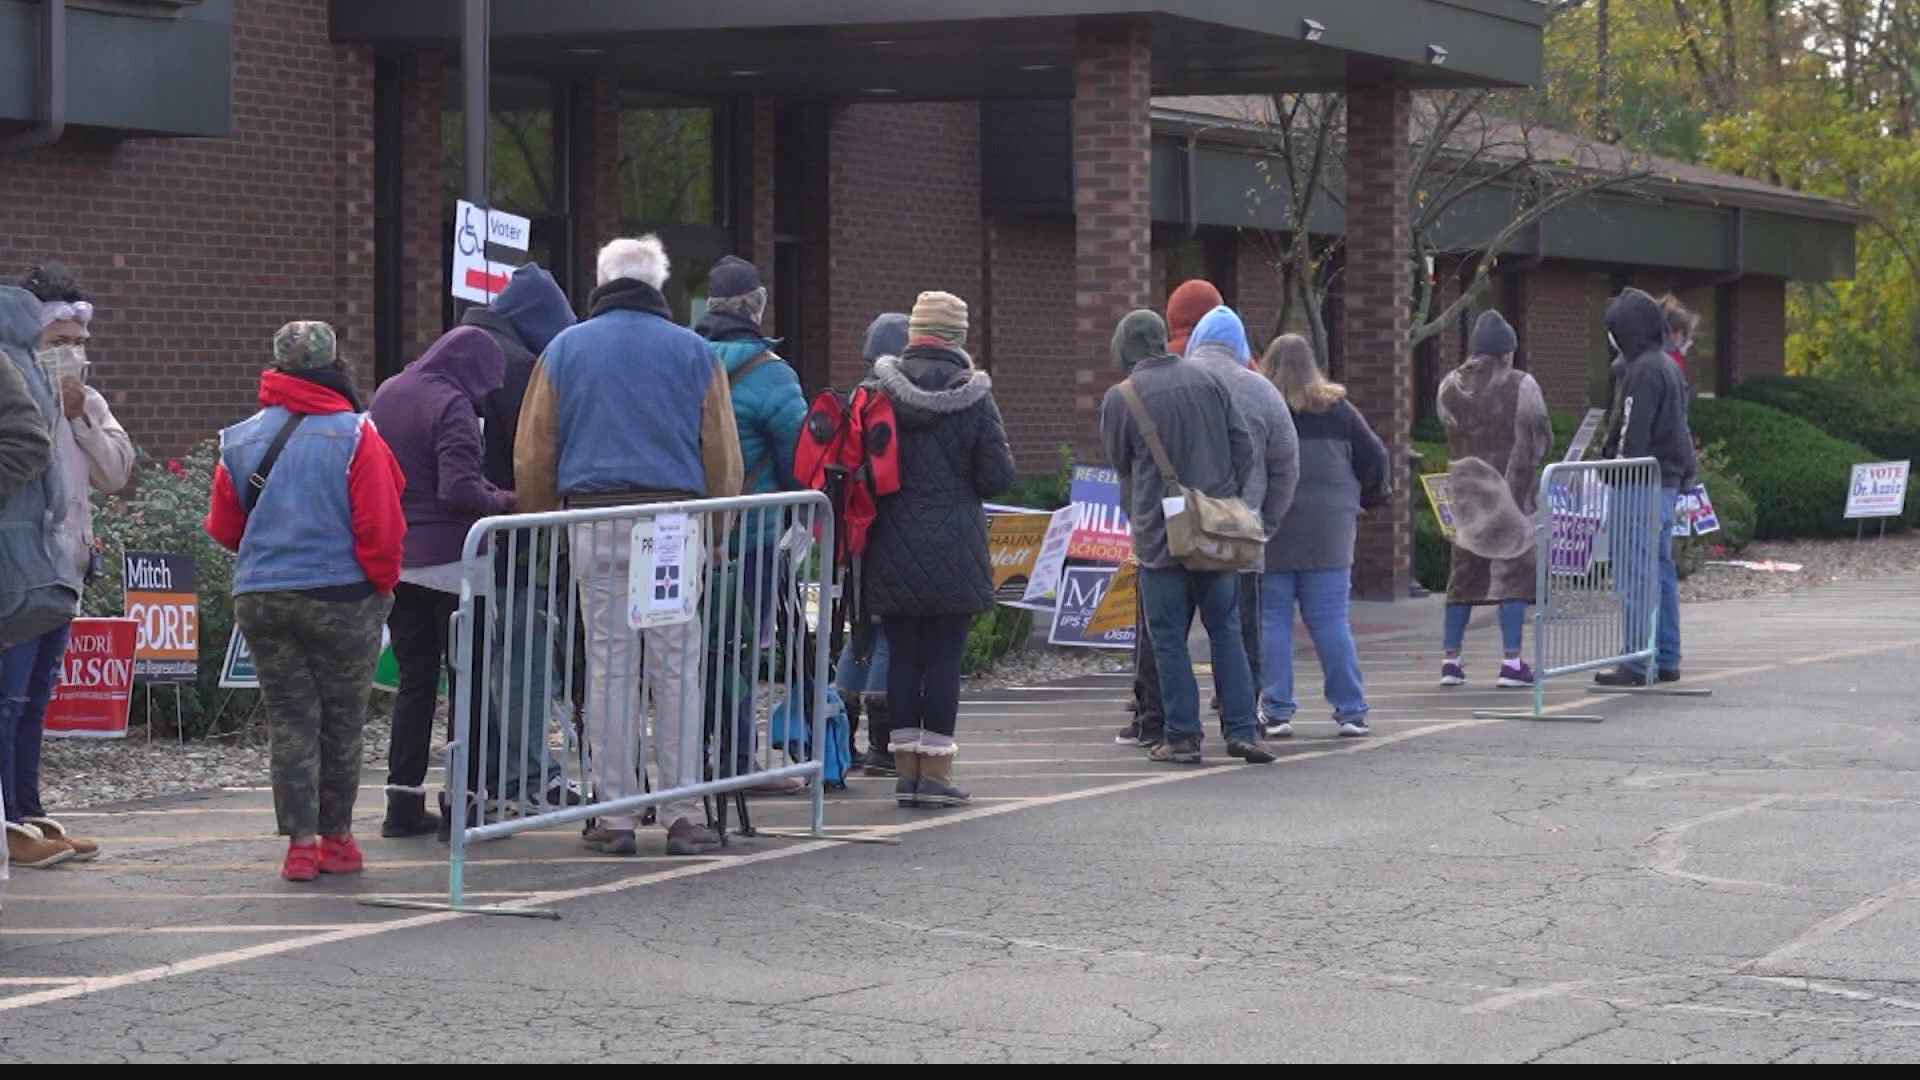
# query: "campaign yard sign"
{"points": [[1082, 589], [1014, 539], [162, 599], [96, 681], [1100, 531], [1878, 489]]}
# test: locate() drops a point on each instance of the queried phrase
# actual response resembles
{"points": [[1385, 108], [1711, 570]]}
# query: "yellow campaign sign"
{"points": [[1116, 607], [1439, 487], [1014, 540]]}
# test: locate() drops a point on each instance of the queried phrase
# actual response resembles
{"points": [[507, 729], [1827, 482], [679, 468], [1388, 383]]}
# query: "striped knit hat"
{"points": [[940, 316]]}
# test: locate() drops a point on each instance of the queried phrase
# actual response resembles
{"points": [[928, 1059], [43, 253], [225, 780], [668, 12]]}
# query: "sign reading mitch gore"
{"points": [[162, 600]]}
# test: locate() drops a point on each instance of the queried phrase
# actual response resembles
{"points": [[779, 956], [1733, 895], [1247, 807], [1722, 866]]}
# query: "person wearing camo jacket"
{"points": [[318, 533]]}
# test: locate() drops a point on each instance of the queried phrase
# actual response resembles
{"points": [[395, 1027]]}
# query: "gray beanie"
{"points": [[887, 336], [1492, 336]]}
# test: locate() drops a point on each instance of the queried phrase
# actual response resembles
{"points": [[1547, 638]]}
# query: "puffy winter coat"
{"points": [[927, 554]]}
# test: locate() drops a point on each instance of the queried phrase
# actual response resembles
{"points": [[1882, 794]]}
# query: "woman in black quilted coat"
{"points": [[927, 572]]}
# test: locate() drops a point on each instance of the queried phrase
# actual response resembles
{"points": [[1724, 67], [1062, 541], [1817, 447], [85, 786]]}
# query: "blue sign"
{"points": [[1081, 590]]}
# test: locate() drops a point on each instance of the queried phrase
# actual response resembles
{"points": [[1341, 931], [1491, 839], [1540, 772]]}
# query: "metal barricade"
{"points": [[1597, 601], [648, 660]]}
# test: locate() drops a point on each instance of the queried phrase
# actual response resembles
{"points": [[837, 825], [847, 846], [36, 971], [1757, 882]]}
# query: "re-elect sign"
{"points": [[96, 681], [162, 600], [1100, 531], [1878, 489]]}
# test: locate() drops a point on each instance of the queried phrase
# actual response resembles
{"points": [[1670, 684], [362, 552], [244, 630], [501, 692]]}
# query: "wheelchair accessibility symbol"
{"points": [[468, 240]]}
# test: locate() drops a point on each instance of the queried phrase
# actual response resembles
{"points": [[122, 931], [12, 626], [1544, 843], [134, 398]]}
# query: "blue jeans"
{"points": [[1513, 624], [28, 673], [864, 675], [1322, 596], [1167, 594], [1667, 640], [517, 723]]}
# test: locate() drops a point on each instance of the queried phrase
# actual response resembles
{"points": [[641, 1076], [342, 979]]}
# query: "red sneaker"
{"points": [[303, 862], [340, 855]]}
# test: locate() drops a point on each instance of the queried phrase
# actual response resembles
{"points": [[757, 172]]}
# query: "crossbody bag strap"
{"points": [[1150, 432], [257, 480]]}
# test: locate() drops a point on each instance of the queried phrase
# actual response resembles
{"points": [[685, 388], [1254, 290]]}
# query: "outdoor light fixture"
{"points": [[1312, 30], [1436, 55], [1036, 67], [743, 73], [586, 52], [879, 90]]}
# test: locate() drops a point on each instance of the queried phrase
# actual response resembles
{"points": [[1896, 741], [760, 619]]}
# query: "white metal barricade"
{"points": [[1597, 601], [632, 660]]}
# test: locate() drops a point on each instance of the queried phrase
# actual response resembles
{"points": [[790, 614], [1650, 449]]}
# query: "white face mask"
{"points": [[63, 362]]}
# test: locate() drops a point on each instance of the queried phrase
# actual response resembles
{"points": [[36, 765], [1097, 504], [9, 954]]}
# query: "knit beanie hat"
{"points": [[304, 346], [1492, 336], [886, 337], [1185, 308], [732, 276], [939, 315], [1142, 335]]}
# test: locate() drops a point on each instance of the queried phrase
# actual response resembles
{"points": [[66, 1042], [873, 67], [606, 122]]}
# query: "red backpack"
{"points": [[849, 449]]}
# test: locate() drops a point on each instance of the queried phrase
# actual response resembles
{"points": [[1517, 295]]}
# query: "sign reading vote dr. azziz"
{"points": [[1877, 489], [162, 600]]}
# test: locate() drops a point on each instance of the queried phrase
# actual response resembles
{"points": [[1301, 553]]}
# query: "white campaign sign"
{"points": [[665, 571], [475, 277], [1044, 585], [1878, 489]]}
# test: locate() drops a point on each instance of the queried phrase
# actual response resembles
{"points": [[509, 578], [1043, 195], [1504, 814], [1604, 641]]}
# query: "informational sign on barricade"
{"points": [[664, 576], [1101, 532], [478, 274], [1877, 489], [1578, 515], [96, 681]]}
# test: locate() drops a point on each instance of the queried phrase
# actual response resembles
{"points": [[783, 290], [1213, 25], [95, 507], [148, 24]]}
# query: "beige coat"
{"points": [[95, 454], [1497, 425]]}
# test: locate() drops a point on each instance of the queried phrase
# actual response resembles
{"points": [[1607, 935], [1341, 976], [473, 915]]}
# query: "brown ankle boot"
{"points": [[936, 782], [906, 764], [26, 847]]}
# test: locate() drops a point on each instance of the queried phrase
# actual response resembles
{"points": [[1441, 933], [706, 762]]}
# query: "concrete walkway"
{"points": [[1735, 878]]}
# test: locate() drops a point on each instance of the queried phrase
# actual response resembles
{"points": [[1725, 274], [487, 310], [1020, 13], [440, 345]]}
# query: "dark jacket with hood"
{"points": [[522, 320], [1651, 418], [39, 584], [927, 553], [428, 415]]}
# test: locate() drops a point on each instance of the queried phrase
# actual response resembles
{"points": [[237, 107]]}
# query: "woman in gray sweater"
{"points": [[1343, 470]]}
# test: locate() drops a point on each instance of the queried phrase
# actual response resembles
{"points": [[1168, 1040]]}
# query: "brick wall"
{"points": [[1761, 347], [1379, 367], [424, 208], [1033, 336], [1113, 230], [904, 217], [1257, 288], [597, 211], [753, 188], [1557, 331], [196, 250]]}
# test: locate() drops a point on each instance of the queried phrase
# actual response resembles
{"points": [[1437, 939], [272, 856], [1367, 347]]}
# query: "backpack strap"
{"points": [[1150, 432], [734, 378], [257, 480]]}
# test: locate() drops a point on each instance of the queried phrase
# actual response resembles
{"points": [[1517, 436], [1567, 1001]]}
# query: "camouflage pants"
{"points": [[315, 659]]}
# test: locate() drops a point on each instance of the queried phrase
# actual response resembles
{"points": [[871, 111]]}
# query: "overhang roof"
{"points": [[917, 50]]}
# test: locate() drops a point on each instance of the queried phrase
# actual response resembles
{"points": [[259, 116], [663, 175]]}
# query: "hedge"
{"points": [[1884, 418], [1796, 473]]}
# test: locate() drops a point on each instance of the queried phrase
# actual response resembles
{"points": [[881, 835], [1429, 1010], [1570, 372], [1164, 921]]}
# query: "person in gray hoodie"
{"points": [[1211, 450], [1652, 423]]}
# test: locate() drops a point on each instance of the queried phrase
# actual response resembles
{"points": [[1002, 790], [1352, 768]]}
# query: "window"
{"points": [[669, 162]]}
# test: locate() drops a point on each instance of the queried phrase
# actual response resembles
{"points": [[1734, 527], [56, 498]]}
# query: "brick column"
{"points": [[1113, 219], [1376, 315], [424, 209], [596, 186], [353, 223], [753, 188]]}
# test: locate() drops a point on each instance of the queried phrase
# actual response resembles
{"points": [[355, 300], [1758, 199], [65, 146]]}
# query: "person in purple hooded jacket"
{"points": [[429, 415]]}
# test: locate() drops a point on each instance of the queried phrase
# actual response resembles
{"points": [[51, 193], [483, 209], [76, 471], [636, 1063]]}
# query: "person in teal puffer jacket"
{"points": [[768, 409]]}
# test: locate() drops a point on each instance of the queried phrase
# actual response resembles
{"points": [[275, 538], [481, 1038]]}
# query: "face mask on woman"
{"points": [[63, 362]]}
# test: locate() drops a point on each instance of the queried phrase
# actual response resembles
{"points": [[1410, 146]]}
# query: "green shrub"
{"points": [[1796, 473], [1048, 491], [994, 635], [1884, 418], [164, 510]]}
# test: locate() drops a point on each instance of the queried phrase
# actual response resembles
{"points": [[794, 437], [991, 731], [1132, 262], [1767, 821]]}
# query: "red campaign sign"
{"points": [[96, 681]]}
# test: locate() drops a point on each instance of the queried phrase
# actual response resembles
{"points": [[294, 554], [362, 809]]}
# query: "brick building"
{"points": [[213, 168]]}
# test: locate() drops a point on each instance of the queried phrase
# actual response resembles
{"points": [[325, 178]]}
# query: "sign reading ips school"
{"points": [[1100, 529], [96, 681], [1878, 489], [1082, 589], [478, 275], [163, 602]]}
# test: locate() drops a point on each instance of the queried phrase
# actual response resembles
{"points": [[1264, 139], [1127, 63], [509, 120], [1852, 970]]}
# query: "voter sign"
{"points": [[162, 600], [96, 681]]}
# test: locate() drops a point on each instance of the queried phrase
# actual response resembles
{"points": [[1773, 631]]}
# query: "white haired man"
{"points": [[628, 408]]}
